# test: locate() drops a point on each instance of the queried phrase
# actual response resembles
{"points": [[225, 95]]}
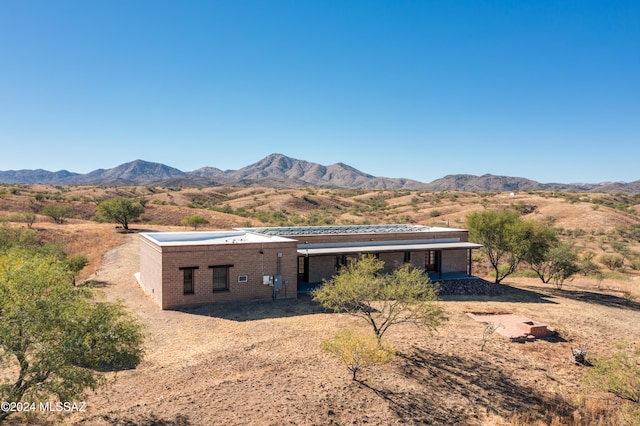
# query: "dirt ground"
{"points": [[261, 362]]}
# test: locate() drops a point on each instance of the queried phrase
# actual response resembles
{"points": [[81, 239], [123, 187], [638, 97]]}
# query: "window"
{"points": [[188, 280], [221, 277], [303, 269]]}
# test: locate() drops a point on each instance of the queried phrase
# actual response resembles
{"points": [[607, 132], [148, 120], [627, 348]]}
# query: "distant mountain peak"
{"points": [[279, 170]]}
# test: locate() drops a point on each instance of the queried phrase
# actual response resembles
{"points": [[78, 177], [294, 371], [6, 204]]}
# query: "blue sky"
{"points": [[548, 90]]}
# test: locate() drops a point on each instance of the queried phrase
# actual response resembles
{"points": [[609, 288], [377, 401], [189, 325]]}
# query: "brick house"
{"points": [[190, 268]]}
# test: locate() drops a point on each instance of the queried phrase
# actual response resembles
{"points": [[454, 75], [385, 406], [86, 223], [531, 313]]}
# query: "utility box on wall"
{"points": [[274, 281], [277, 282]]}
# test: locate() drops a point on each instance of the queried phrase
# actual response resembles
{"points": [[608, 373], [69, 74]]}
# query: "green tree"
{"points": [[54, 339], [557, 264], [121, 210], [58, 213], [403, 296], [507, 239], [357, 351], [195, 221]]}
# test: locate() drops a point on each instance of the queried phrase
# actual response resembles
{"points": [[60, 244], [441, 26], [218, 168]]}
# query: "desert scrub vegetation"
{"points": [[55, 340], [405, 295], [357, 351], [618, 201], [58, 213], [194, 221], [618, 374]]}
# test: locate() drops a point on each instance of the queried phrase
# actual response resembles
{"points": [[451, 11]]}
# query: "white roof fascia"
{"points": [[387, 248], [203, 238]]}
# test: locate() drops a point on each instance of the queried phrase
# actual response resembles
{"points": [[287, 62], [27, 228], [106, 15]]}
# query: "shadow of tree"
{"points": [[258, 309], [442, 381], [510, 294], [96, 284], [151, 420], [608, 300]]}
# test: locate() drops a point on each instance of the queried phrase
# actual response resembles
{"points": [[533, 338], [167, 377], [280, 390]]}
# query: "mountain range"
{"points": [[280, 171]]}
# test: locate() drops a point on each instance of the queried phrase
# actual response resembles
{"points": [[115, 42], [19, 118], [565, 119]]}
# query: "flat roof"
{"points": [[209, 238], [345, 229], [344, 249]]}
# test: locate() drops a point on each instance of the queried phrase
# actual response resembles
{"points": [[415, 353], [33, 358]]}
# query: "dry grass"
{"points": [[261, 362]]}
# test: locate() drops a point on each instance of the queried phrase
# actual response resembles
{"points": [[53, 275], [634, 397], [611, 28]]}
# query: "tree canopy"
{"points": [[54, 339], [558, 263], [195, 221], [121, 210], [57, 213], [403, 296], [508, 239]]}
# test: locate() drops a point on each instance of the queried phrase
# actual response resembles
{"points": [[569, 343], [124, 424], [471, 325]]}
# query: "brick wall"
{"points": [[455, 261], [246, 260], [392, 260], [151, 269], [321, 267]]}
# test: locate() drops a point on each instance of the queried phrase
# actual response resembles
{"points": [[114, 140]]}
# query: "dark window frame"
{"points": [[213, 278], [185, 270]]}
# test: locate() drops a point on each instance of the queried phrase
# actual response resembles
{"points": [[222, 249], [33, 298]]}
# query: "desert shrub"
{"points": [[487, 332], [27, 217], [618, 374], [524, 208], [587, 267], [57, 213], [194, 221], [358, 350], [612, 261]]}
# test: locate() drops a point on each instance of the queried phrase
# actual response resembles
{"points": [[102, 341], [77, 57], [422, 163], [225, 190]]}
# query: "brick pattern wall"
{"points": [[321, 267], [392, 260], [246, 260], [455, 261]]}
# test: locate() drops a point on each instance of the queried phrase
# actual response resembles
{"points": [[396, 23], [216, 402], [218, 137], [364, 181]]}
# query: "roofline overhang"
{"points": [[383, 248]]}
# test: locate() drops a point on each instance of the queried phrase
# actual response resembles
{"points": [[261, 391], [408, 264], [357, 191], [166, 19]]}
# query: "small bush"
{"points": [[358, 350], [619, 375]]}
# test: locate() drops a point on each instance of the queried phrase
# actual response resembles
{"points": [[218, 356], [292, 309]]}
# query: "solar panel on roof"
{"points": [[346, 229]]}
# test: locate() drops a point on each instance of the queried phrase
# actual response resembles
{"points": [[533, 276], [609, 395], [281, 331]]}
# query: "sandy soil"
{"points": [[261, 362]]}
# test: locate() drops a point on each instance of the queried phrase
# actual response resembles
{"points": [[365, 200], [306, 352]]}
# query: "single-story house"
{"points": [[201, 267]]}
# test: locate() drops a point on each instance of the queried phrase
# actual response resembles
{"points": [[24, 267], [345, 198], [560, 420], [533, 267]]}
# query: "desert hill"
{"points": [[200, 362], [202, 359]]}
